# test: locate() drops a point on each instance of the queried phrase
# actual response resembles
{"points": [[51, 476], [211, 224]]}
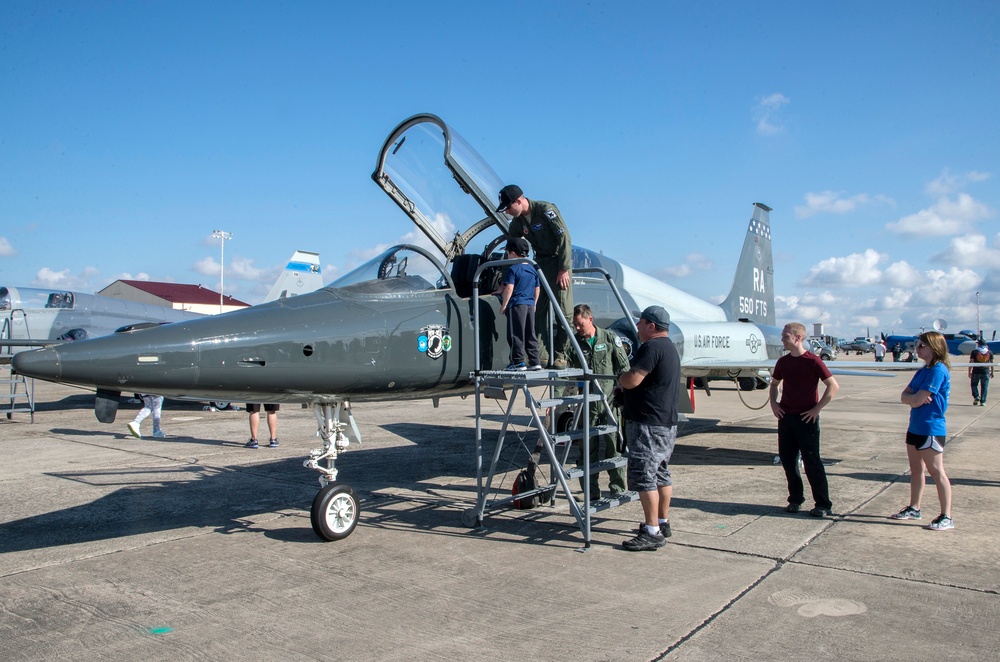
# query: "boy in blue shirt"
{"points": [[518, 298]]}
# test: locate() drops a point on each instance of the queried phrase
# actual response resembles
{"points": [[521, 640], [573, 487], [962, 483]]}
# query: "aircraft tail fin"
{"points": [[752, 295], [302, 275]]}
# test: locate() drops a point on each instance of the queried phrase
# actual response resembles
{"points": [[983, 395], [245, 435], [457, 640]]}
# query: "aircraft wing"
{"points": [[7, 342], [720, 364], [700, 367]]}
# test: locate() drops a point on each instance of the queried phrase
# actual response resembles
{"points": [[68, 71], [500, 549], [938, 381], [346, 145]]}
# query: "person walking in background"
{"points": [[151, 404], [927, 396], [980, 375], [880, 350], [518, 298], [272, 424], [799, 373]]}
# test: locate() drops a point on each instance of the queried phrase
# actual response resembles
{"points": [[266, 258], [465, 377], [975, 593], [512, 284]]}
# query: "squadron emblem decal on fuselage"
{"points": [[434, 340]]}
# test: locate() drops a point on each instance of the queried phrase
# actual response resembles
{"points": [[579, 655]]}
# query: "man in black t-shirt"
{"points": [[650, 389]]}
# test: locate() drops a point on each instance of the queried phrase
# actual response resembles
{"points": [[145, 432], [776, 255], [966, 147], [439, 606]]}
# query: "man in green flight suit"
{"points": [[605, 355], [541, 224]]}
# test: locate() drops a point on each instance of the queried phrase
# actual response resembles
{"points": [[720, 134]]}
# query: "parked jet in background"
{"points": [[301, 276], [959, 344], [859, 345], [34, 316], [31, 316], [404, 324]]}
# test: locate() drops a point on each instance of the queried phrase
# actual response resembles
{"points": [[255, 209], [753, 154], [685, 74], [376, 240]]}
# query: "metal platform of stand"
{"points": [[514, 388], [17, 394]]}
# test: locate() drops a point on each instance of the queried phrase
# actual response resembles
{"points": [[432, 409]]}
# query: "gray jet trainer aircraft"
{"points": [[32, 316], [404, 324]]}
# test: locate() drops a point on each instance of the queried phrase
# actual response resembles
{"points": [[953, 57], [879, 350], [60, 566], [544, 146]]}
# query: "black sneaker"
{"points": [[821, 512], [273, 443], [664, 529], [251, 444], [792, 508], [645, 541]]}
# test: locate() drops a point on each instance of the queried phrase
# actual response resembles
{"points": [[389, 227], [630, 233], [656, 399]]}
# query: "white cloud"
{"points": [[242, 267], [944, 217], [833, 202], [855, 270], [695, 262], [64, 280], [207, 266], [901, 275], [142, 275], [6, 249], [970, 251], [947, 287], [767, 111], [948, 182]]}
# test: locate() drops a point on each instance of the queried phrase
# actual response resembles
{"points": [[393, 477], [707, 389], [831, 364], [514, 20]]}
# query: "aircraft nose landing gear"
{"points": [[335, 509], [335, 512]]}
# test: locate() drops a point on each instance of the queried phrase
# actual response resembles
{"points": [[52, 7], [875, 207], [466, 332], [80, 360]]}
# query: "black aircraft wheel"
{"points": [[335, 511], [221, 406], [747, 383]]}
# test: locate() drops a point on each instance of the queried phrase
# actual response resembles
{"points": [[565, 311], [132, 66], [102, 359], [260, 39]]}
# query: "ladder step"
{"points": [[612, 502], [544, 373], [597, 430], [568, 400], [598, 467]]}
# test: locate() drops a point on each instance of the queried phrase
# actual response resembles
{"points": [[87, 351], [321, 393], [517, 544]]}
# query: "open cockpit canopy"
{"points": [[443, 185]]}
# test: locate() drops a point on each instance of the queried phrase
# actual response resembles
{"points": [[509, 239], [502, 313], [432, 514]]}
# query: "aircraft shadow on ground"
{"points": [[164, 498], [730, 508], [151, 499], [113, 435], [86, 401]]}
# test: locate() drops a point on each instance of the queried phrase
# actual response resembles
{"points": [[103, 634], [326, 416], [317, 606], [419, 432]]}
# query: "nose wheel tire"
{"points": [[335, 511]]}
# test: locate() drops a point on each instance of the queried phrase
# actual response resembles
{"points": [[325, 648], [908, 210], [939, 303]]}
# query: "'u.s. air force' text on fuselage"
{"points": [[710, 341]]}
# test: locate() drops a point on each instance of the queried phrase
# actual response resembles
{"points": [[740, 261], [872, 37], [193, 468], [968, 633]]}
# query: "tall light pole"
{"points": [[979, 327], [222, 235]]}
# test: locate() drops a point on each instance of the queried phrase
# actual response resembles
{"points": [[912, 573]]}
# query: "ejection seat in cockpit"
{"points": [[463, 273]]}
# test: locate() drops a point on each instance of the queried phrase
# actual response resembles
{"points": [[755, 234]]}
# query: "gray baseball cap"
{"points": [[657, 315]]}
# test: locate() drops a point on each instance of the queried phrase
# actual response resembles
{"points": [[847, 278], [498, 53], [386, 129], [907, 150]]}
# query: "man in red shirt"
{"points": [[799, 373]]}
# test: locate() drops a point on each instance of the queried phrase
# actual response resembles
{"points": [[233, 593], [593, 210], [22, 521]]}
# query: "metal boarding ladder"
{"points": [[16, 387], [556, 445]]}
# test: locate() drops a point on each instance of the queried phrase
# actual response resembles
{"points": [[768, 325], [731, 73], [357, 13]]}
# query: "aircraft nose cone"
{"points": [[40, 363]]}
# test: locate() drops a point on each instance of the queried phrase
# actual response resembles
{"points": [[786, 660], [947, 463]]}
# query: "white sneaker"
{"points": [[133, 427]]}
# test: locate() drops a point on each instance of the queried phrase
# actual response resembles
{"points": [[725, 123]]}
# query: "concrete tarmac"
{"points": [[194, 548]]}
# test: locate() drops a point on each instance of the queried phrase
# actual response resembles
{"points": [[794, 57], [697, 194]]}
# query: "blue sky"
{"points": [[129, 131]]}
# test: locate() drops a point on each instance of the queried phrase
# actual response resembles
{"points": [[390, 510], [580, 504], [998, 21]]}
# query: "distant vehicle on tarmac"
{"points": [[822, 350]]}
